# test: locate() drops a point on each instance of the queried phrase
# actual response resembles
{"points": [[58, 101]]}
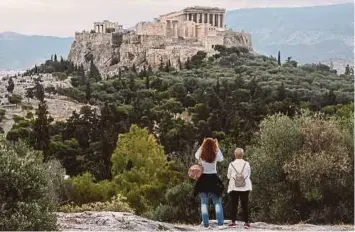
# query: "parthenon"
{"points": [[191, 22]]}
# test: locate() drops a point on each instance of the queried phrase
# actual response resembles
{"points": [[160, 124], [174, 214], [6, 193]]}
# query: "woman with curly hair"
{"points": [[209, 183]]}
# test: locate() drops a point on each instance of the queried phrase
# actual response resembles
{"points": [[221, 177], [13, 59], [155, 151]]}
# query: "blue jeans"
{"points": [[217, 201]]}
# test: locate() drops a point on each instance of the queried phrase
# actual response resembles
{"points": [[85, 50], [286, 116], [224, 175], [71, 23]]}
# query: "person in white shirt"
{"points": [[209, 182], [239, 167]]}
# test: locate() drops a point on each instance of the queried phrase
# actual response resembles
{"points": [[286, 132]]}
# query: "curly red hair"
{"points": [[209, 150]]}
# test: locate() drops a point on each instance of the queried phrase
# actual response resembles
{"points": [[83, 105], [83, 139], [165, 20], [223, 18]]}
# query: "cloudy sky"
{"points": [[64, 17]]}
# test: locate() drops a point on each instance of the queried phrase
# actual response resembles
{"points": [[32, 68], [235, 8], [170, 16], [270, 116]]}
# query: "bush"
{"points": [[2, 114], [26, 193], [15, 99], [85, 190], [116, 204], [172, 209], [302, 168]]}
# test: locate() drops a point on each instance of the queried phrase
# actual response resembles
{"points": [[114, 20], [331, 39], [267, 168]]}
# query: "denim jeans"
{"points": [[217, 201]]}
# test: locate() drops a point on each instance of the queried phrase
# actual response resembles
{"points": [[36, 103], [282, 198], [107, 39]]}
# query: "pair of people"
{"points": [[209, 183]]}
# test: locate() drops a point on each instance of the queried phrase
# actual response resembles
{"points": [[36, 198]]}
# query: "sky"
{"points": [[64, 17]]}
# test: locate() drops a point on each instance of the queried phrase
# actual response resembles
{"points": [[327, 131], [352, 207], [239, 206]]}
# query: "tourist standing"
{"points": [[239, 186], [209, 183]]}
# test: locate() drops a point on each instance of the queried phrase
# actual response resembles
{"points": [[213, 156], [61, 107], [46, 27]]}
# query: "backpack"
{"points": [[239, 179]]}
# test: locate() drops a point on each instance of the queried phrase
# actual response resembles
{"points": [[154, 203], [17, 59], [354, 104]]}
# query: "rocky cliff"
{"points": [[112, 51]]}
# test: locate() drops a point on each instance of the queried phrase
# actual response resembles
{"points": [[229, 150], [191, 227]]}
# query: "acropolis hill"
{"points": [[174, 36]]}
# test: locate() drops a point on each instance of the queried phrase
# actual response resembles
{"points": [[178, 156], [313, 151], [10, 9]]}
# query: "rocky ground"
{"points": [[118, 221], [59, 107]]}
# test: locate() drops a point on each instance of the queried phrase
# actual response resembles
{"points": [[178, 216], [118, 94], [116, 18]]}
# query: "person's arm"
{"points": [[198, 154], [219, 156], [229, 174], [248, 170]]}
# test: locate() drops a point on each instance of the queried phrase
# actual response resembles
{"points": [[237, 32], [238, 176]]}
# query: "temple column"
{"points": [[216, 20], [203, 17], [198, 18], [222, 21], [213, 20]]}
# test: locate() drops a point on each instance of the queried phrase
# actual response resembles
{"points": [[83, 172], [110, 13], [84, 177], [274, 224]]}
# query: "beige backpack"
{"points": [[239, 179]]}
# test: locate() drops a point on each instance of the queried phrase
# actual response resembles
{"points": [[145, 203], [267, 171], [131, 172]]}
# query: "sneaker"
{"points": [[221, 227], [232, 225], [247, 226]]}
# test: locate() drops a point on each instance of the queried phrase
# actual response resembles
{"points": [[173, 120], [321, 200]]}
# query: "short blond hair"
{"points": [[239, 153]]}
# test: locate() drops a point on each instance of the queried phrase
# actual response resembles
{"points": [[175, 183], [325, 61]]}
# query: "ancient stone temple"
{"points": [[107, 27], [191, 22], [172, 37]]}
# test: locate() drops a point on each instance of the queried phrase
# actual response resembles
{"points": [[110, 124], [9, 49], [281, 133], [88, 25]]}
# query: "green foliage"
{"points": [[15, 99], [26, 197], [85, 190], [116, 204], [2, 114], [178, 205], [299, 168], [141, 170], [11, 85]]}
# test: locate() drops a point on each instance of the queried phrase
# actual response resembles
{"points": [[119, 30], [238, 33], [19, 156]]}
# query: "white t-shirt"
{"points": [[209, 168], [238, 164]]}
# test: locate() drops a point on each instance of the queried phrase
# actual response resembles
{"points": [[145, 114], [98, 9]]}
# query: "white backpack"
{"points": [[239, 179]]}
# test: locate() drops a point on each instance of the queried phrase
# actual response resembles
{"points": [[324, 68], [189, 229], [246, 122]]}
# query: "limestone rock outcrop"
{"points": [[173, 37]]}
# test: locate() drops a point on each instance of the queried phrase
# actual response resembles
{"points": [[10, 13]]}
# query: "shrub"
{"points": [[179, 205], [302, 168], [15, 99], [117, 204], [26, 193], [2, 114], [85, 190]]}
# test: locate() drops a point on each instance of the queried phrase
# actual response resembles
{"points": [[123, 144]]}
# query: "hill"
{"points": [[325, 32], [307, 34], [19, 52]]}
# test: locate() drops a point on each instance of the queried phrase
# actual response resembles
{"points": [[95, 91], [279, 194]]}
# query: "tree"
{"points": [[134, 69], [188, 64], [145, 182], [55, 58], [11, 85], [40, 133], [147, 84], [94, 73], [87, 91], [180, 64], [347, 70], [161, 66], [27, 195], [38, 91], [279, 58]]}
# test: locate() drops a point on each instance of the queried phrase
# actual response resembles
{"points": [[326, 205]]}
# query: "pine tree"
{"points": [[180, 64], [134, 69], [11, 85], [150, 70], [161, 66], [55, 58], [147, 84], [94, 73], [188, 64], [39, 91], [40, 133], [347, 70], [279, 58], [36, 69], [88, 91]]}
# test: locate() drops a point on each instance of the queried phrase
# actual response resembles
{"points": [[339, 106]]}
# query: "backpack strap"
{"points": [[236, 169]]}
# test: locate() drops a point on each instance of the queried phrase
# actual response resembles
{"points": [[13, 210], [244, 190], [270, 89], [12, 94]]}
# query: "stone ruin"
{"points": [[173, 37]]}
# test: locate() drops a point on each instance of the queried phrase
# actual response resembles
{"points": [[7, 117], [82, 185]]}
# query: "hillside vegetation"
{"points": [[295, 122]]}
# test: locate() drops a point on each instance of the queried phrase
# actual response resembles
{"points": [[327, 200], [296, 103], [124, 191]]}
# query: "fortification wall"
{"points": [[96, 38], [147, 28]]}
